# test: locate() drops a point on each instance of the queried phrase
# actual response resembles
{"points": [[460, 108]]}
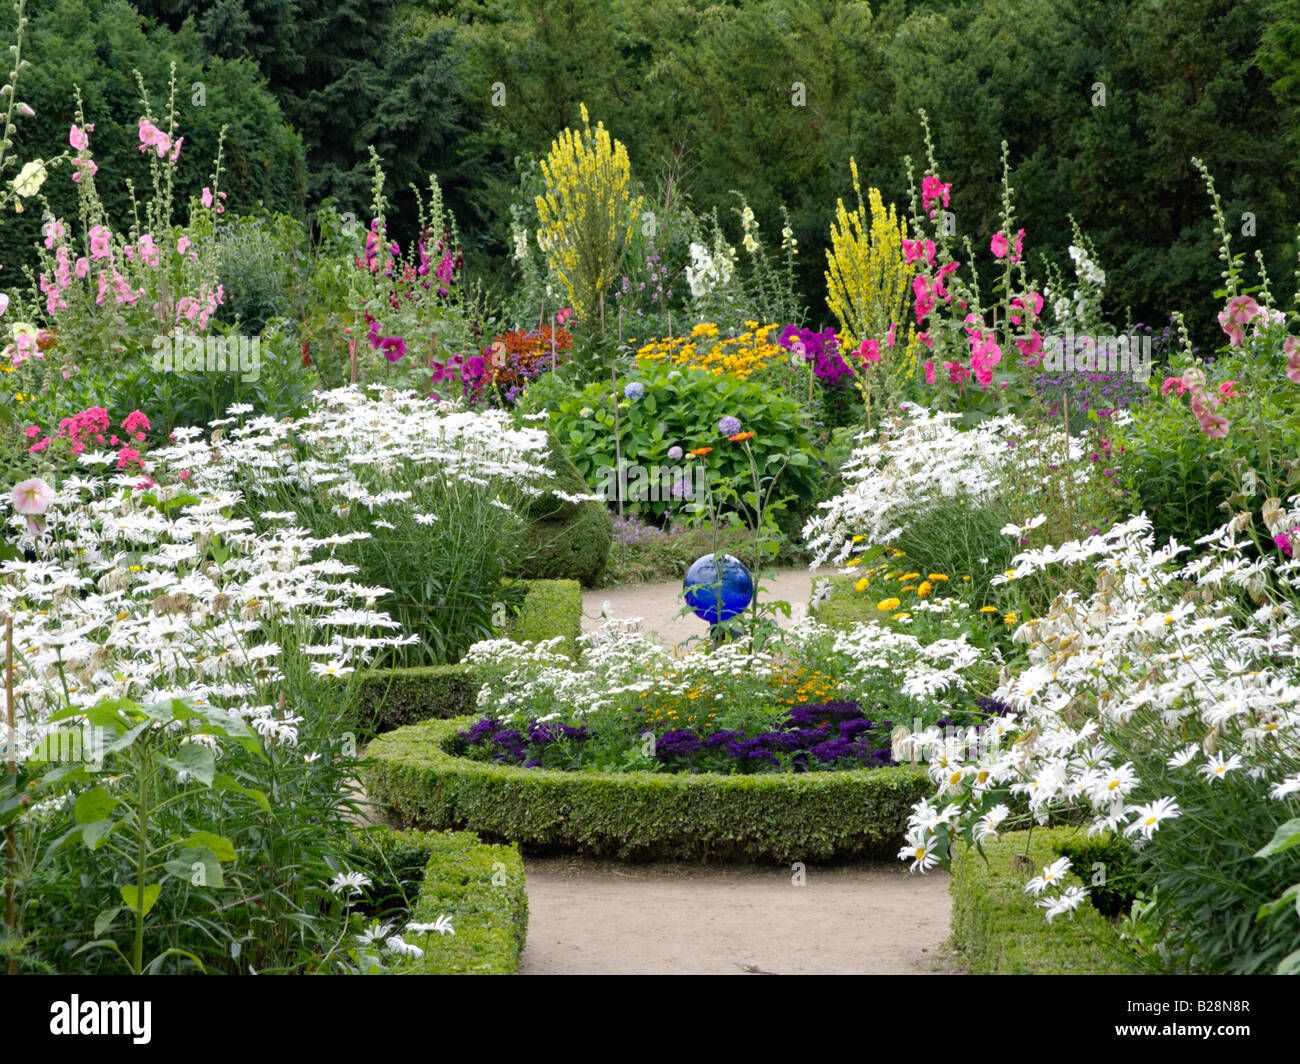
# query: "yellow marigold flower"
{"points": [[925, 588], [938, 577], [1010, 618], [902, 616], [858, 538], [853, 561], [988, 609], [965, 579], [910, 576], [909, 587], [888, 604], [862, 584]]}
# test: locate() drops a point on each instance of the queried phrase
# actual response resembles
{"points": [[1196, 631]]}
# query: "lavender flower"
{"points": [[634, 391], [674, 453]]}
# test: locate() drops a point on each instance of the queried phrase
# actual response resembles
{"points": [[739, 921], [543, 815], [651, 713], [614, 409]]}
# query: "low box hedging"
{"points": [[390, 698], [998, 930], [550, 608], [641, 815], [479, 886], [843, 607]]}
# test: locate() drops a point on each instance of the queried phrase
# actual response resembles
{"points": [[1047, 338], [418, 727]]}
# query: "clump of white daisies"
{"points": [[1161, 657], [918, 460]]}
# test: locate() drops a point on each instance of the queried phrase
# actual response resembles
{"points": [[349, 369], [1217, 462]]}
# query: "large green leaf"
{"points": [[130, 895]]}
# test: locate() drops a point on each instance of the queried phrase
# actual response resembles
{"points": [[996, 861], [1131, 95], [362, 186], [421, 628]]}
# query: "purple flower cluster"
{"points": [[822, 349], [520, 745]]}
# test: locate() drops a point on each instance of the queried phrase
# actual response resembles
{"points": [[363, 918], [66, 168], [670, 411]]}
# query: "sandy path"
{"points": [[597, 918], [658, 604]]}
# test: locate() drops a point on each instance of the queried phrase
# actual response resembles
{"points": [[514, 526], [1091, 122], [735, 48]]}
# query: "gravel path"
{"points": [[598, 918], [658, 605]]}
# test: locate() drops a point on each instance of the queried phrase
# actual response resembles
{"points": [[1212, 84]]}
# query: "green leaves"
{"points": [[137, 903], [1286, 836]]}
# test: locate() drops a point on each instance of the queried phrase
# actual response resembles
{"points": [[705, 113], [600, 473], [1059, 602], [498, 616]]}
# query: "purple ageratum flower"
{"points": [[634, 391], [729, 425], [674, 453]]}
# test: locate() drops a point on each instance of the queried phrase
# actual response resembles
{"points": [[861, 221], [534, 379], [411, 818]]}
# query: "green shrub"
{"points": [[480, 887], [843, 607], [391, 698], [1000, 931], [566, 540], [550, 608], [1114, 891], [682, 408], [642, 815]]}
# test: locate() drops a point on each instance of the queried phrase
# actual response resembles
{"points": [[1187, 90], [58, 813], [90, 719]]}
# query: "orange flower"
{"points": [[700, 452], [741, 436]]}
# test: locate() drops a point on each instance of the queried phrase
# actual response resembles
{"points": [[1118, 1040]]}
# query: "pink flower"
{"points": [[998, 245], [82, 267], [869, 351], [77, 137], [563, 316], [31, 498], [1241, 308], [176, 151], [956, 372], [206, 197], [1236, 334], [182, 245], [924, 337], [889, 340], [918, 249], [37, 448], [100, 242], [1291, 348], [1214, 425], [1020, 245], [1173, 384], [932, 191], [1032, 345], [135, 421], [1228, 389], [1283, 542], [929, 373]]}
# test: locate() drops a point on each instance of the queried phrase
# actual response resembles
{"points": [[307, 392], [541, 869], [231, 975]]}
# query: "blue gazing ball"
{"points": [[706, 590]]}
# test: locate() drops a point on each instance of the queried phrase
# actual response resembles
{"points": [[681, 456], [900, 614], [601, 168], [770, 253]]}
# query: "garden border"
{"points": [[641, 815]]}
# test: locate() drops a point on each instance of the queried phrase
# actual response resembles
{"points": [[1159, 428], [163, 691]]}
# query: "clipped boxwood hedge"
{"points": [[550, 608], [390, 698], [479, 886], [1000, 931], [843, 607], [641, 815]]}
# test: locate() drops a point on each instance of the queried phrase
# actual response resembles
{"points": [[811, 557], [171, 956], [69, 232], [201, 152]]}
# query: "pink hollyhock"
{"points": [[153, 137], [889, 340], [100, 242], [1242, 309], [1020, 245], [206, 197], [944, 270], [1228, 389], [1214, 425], [1032, 345], [182, 245], [998, 245], [176, 150], [1236, 334], [33, 497], [563, 316], [929, 373], [932, 191], [53, 233], [918, 249], [82, 267], [956, 372], [924, 337], [869, 351], [77, 137], [1291, 347]]}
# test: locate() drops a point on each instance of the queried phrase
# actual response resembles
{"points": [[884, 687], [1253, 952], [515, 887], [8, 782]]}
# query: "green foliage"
{"points": [[391, 698], [778, 816], [682, 408], [842, 607], [481, 888], [1113, 887], [550, 608], [565, 540], [998, 929], [264, 264]]}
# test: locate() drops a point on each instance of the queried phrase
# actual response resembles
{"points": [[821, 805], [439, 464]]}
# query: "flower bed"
{"points": [[644, 815]]}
